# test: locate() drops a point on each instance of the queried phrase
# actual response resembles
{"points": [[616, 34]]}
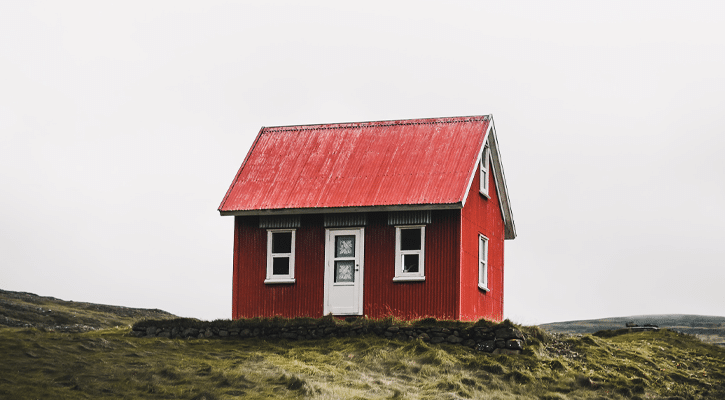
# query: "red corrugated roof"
{"points": [[423, 162]]}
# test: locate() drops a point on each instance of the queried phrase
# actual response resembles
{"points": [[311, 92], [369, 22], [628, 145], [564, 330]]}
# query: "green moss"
{"points": [[110, 363]]}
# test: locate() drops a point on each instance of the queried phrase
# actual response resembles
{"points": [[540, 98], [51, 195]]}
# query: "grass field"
{"points": [[109, 363]]}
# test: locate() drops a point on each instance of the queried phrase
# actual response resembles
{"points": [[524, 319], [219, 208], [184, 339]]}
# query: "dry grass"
{"points": [[45, 362], [111, 364]]}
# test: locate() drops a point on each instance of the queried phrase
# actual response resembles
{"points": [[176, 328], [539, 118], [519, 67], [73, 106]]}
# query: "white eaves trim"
{"points": [[495, 168]]}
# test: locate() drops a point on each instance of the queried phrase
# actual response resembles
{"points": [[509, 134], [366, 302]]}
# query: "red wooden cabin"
{"points": [[405, 218]]}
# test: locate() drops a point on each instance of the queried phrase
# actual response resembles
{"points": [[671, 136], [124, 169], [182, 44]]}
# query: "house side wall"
{"points": [[435, 296], [482, 215], [252, 297], [381, 296]]}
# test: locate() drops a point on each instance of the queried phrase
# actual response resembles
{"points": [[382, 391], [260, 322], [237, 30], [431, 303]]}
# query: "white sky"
{"points": [[122, 125]]}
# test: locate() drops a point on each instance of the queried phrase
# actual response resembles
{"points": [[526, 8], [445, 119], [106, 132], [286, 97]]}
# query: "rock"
{"points": [[165, 334], [487, 346], [245, 333], [223, 333], [208, 333], [508, 333], [190, 332], [437, 339], [469, 343], [500, 343], [424, 336], [515, 344], [454, 339], [151, 331], [393, 329], [485, 334]]}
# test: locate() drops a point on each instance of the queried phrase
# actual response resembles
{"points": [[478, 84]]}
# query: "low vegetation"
{"points": [[111, 363], [18, 309]]}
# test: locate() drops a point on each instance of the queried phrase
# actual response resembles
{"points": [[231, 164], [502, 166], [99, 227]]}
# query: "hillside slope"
{"points": [[110, 363], [20, 309], [709, 329]]}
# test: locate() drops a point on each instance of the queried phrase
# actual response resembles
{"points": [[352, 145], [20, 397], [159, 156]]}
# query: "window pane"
{"points": [[410, 263], [344, 271], [280, 266], [281, 242], [410, 239], [345, 246]]}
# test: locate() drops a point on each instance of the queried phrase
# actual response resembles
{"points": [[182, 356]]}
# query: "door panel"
{"points": [[344, 271]]}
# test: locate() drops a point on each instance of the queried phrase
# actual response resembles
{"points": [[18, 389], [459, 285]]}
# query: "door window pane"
{"points": [[345, 271], [282, 242], [410, 239], [345, 246]]}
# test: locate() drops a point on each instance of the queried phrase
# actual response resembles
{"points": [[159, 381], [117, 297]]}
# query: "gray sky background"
{"points": [[122, 125]]}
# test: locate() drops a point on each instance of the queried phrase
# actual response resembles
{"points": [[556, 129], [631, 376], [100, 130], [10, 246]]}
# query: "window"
{"points": [[409, 253], [483, 262], [485, 168], [280, 256]]}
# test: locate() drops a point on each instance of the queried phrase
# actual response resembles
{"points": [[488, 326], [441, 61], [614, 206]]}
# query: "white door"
{"points": [[344, 271]]}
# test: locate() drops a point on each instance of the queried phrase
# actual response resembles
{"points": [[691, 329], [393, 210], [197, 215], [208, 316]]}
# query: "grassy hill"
{"points": [[41, 361], [19, 309], [707, 328]]}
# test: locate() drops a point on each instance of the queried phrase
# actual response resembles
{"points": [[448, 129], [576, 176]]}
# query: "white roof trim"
{"points": [[499, 179]]}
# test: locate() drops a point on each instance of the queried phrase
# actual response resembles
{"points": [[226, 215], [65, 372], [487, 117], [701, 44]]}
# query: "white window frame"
{"points": [[483, 262], [400, 275], [485, 171], [279, 278]]}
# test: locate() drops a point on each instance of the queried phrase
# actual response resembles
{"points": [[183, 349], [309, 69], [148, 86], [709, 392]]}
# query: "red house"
{"points": [[405, 218]]}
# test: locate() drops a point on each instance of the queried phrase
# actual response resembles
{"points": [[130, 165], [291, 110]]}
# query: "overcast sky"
{"points": [[122, 124]]}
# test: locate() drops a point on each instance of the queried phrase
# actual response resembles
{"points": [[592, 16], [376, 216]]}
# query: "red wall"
{"points": [[252, 298], [481, 215], [381, 297], [437, 296], [412, 300]]}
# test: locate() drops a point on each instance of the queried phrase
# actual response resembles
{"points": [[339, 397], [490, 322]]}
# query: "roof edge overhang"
{"points": [[339, 210], [239, 171], [499, 179]]}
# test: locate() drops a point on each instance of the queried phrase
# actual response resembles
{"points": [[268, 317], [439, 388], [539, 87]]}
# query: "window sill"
{"points": [[278, 281], [409, 279], [484, 288], [486, 195]]}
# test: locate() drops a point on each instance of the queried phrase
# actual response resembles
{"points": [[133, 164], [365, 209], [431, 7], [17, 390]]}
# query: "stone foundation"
{"points": [[490, 339]]}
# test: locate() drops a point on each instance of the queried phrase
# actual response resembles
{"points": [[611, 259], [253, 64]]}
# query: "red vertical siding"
{"points": [[411, 300], [252, 297], [481, 215], [381, 296]]}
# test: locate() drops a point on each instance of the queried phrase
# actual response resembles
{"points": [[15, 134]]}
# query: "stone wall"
{"points": [[497, 339]]}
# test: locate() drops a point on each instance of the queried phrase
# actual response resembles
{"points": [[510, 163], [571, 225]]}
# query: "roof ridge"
{"points": [[426, 121]]}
